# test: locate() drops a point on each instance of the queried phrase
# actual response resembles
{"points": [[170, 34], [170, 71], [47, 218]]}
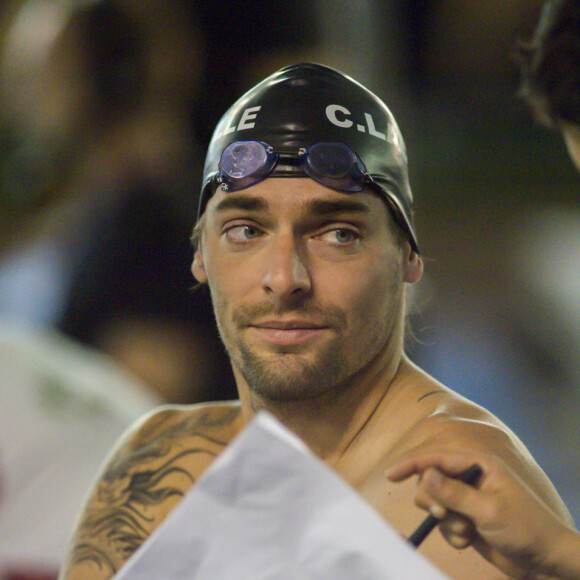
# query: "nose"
{"points": [[286, 274]]}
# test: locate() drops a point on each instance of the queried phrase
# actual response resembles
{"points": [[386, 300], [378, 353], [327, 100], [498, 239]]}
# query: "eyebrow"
{"points": [[241, 201], [323, 207]]}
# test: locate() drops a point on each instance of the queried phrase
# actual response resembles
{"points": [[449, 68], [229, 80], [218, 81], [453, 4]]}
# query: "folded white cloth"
{"points": [[269, 509]]}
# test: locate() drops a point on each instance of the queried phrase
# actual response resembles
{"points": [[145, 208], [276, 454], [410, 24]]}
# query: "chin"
{"points": [[289, 378]]}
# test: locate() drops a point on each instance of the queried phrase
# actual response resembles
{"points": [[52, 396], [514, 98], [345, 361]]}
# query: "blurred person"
{"points": [[306, 241], [101, 273], [101, 95], [62, 404], [507, 522]]}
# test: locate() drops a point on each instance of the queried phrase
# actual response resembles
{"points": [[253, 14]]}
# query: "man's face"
{"points": [[307, 284]]}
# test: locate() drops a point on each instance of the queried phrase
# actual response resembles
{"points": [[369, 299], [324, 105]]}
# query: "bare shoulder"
{"points": [[147, 473], [210, 425], [427, 415], [448, 420]]}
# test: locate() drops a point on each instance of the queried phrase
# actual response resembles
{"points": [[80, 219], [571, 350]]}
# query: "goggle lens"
{"points": [[335, 165], [243, 158]]}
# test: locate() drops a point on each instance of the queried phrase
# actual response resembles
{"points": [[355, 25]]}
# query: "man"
{"points": [[520, 536], [306, 241]]}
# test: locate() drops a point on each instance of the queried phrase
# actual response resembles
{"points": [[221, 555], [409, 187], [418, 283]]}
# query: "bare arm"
{"points": [[144, 479], [507, 523]]}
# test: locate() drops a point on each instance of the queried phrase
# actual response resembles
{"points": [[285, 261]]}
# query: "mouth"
{"points": [[288, 332]]}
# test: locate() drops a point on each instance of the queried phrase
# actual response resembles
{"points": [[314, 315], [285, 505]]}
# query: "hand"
{"points": [[501, 517]]}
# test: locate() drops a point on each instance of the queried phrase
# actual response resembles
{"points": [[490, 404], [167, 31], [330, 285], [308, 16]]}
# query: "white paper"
{"points": [[268, 509]]}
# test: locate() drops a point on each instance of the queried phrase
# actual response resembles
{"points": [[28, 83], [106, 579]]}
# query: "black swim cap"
{"points": [[304, 104]]}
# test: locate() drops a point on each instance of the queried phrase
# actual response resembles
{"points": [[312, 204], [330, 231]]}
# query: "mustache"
{"points": [[323, 315]]}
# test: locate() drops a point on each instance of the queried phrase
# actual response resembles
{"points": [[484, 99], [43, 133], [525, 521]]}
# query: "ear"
{"points": [[413, 267], [571, 134], [198, 267]]}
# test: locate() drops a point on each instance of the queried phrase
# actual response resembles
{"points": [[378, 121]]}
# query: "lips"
{"points": [[288, 325], [287, 332]]}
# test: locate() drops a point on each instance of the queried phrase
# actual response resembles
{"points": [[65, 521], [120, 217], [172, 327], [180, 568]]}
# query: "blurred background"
{"points": [[106, 107]]}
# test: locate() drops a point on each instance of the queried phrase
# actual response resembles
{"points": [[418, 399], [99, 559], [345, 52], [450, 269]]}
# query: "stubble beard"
{"points": [[287, 376]]}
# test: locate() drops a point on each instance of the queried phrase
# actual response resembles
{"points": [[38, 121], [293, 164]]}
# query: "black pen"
{"points": [[469, 476]]}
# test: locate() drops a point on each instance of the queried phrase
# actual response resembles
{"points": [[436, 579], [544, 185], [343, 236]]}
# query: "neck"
{"points": [[331, 423]]}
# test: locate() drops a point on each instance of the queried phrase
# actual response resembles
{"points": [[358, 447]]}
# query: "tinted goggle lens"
{"points": [[244, 163], [335, 165], [244, 159]]}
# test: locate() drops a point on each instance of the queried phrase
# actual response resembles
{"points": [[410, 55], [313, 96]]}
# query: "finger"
{"points": [[452, 463], [425, 501], [454, 495], [458, 531], [455, 524]]}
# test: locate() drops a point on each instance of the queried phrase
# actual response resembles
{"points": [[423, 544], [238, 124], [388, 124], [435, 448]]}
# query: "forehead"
{"points": [[297, 196]]}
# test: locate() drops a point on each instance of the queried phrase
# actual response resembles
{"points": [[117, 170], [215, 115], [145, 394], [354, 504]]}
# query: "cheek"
{"points": [[231, 282], [370, 291], [230, 277], [381, 295]]}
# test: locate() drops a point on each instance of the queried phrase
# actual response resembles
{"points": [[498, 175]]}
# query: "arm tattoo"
{"points": [[120, 517]]}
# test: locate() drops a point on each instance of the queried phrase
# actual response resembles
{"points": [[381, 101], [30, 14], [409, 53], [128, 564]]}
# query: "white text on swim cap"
{"points": [[248, 114], [332, 114], [346, 123]]}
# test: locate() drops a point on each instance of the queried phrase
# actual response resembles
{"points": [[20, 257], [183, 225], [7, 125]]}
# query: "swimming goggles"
{"points": [[335, 165]]}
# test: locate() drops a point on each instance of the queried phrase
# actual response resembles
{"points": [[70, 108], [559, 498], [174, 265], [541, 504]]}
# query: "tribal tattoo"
{"points": [[144, 481]]}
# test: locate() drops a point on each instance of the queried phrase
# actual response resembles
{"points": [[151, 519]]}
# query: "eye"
{"points": [[339, 236], [242, 233]]}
